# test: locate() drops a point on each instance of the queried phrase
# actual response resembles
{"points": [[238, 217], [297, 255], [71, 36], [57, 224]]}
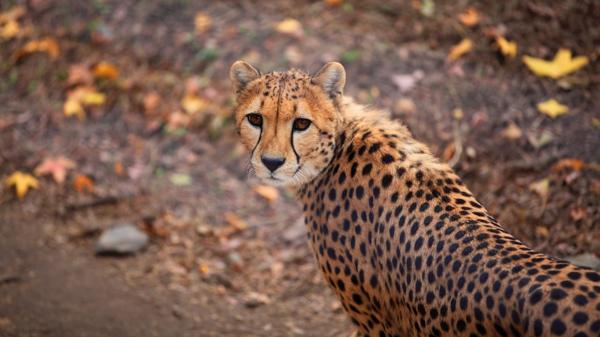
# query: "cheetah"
{"points": [[403, 243]]}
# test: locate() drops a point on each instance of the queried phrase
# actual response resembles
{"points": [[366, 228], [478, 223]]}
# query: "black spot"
{"points": [[387, 158], [386, 180], [558, 327], [580, 318], [550, 309]]}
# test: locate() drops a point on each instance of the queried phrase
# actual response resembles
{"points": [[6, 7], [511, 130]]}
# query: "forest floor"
{"points": [[224, 259]]}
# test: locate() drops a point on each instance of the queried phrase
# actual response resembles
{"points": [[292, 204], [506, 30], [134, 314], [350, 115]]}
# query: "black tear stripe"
{"points": [[294, 148], [256, 145]]}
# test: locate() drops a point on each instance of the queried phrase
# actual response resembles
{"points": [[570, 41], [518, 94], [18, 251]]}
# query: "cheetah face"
{"points": [[288, 120]]}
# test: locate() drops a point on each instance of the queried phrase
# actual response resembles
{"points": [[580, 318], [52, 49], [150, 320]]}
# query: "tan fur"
{"points": [[404, 244]]}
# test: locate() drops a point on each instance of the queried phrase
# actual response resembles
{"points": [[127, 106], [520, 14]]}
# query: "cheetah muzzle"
{"points": [[403, 243]]}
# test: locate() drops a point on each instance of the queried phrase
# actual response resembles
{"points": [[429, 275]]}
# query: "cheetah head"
{"points": [[288, 120]]}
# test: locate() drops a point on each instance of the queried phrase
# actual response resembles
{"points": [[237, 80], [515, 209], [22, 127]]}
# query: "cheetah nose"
{"points": [[272, 163]]}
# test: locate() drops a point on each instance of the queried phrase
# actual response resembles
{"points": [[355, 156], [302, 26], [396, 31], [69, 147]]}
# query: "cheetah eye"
{"points": [[301, 124], [255, 119]]}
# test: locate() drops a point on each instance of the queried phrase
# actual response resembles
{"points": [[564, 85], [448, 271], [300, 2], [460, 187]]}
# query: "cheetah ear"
{"points": [[241, 73], [331, 78]]}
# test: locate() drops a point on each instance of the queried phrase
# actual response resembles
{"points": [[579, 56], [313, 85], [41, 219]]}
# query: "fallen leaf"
{"points": [[427, 7], [562, 64], [539, 140], [405, 106], [106, 70], [193, 104], [12, 14], [460, 49], [180, 179], [458, 114], [202, 21], [334, 3], [542, 232], [56, 166], [10, 30], [235, 224], [470, 17], [578, 213], [507, 48], [541, 188], [568, 163], [405, 82], [118, 168], [512, 131], [80, 97], [552, 108], [46, 45], [269, 193], [151, 102], [22, 183], [79, 74], [291, 27], [83, 183]]}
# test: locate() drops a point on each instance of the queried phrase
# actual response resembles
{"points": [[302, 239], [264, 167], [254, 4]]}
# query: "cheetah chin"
{"points": [[404, 244]]}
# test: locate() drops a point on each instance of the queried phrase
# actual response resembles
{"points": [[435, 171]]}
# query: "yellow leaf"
{"points": [[192, 104], [46, 45], [552, 108], [202, 21], [83, 183], [22, 183], [80, 97], [460, 49], [10, 30], [290, 26], [56, 166], [562, 64], [507, 48], [106, 70], [270, 193], [470, 17]]}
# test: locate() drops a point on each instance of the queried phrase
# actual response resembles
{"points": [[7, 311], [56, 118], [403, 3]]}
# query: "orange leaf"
{"points": [[106, 70], [118, 168], [56, 166], [270, 193], [470, 17], [83, 183], [47, 45], [568, 163]]}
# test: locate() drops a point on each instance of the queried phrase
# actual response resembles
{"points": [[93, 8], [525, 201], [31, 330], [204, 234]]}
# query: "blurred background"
{"points": [[126, 208]]}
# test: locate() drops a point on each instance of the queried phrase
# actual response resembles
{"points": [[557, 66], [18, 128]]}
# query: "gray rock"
{"points": [[585, 260], [121, 239]]}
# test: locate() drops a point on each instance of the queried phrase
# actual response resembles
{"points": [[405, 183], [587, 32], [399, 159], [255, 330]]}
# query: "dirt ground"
{"points": [[224, 260]]}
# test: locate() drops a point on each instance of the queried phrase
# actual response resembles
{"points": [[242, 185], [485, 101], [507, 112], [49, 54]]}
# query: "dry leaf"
{"points": [[568, 163], [270, 193], [552, 108], [334, 3], [193, 104], [151, 102], [470, 17], [542, 232], [562, 64], [22, 183], [46, 45], [235, 224], [56, 166], [12, 14], [118, 168], [79, 74], [578, 213], [512, 131], [291, 27], [507, 48], [541, 188], [80, 97], [83, 183], [202, 21], [106, 70], [460, 49], [9, 30]]}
